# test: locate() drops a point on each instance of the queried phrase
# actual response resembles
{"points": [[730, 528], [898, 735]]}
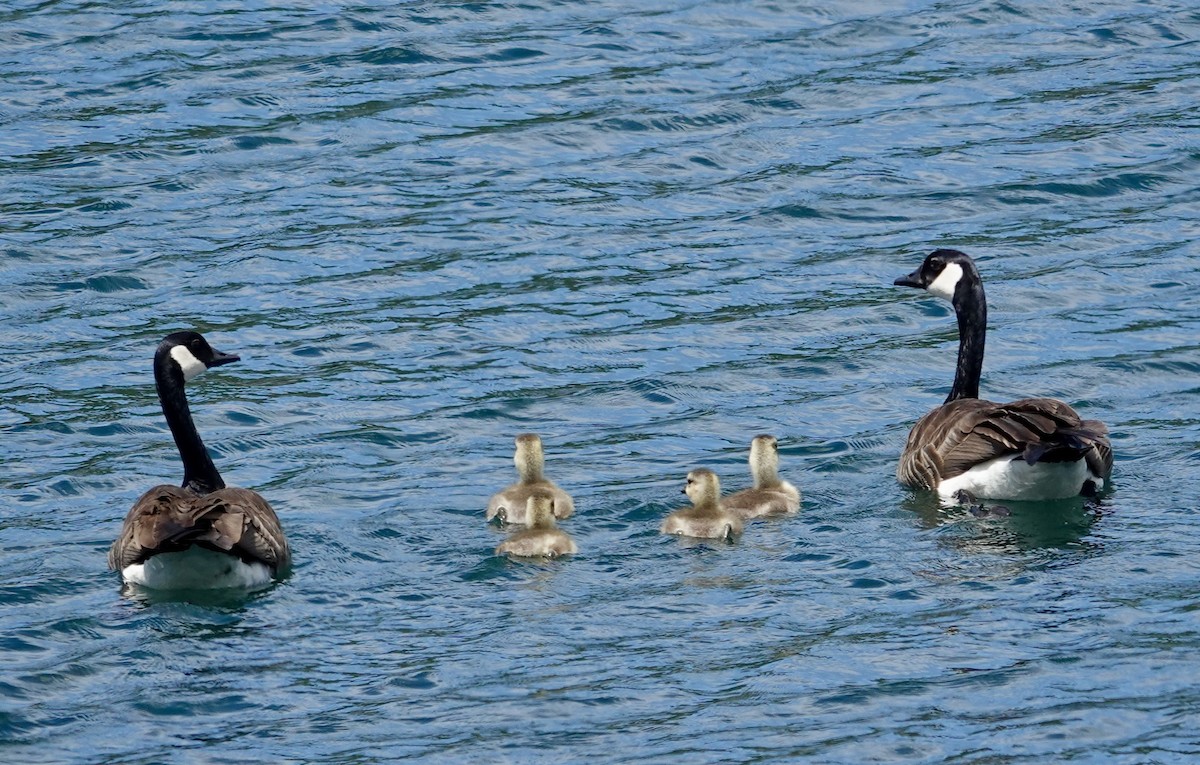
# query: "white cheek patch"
{"points": [[947, 280], [190, 365]]}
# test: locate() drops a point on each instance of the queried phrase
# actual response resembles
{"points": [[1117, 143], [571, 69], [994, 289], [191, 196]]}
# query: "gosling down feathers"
{"points": [[201, 535], [510, 504], [770, 495], [1031, 449], [706, 518], [542, 538]]}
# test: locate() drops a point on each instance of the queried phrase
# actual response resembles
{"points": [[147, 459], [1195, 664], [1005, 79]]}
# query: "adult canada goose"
{"points": [[706, 518], [1035, 448], [509, 505], [771, 495], [201, 535], [542, 539]]}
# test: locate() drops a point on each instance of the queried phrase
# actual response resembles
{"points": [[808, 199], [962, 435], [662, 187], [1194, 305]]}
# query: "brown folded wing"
{"points": [[957, 436], [1099, 459], [169, 518]]}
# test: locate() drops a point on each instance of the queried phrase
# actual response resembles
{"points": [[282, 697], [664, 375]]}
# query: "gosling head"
{"points": [[529, 458], [188, 354], [703, 487], [943, 273], [539, 511], [764, 460]]}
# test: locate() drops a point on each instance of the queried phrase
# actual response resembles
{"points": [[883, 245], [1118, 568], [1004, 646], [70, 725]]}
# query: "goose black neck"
{"points": [[199, 473], [970, 306]]}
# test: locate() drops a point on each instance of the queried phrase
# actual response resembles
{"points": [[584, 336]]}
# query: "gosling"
{"points": [[706, 518], [771, 495], [509, 505], [542, 539]]}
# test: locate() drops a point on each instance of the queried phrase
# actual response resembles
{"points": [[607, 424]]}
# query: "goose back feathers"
{"points": [[235, 526], [969, 433]]}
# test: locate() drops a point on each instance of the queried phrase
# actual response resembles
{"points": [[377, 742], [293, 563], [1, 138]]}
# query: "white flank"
{"points": [[947, 280], [1008, 478], [190, 365], [197, 568]]}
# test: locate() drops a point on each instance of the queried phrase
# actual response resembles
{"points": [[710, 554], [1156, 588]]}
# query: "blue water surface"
{"points": [[647, 231]]}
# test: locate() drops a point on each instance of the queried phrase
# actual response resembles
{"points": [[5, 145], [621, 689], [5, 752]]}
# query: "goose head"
{"points": [[951, 275], [528, 458], [945, 273], [764, 460], [190, 354], [703, 487]]}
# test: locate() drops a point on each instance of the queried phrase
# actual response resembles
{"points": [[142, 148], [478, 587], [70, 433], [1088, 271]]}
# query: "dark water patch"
{"points": [[104, 284], [515, 54], [625, 125], [106, 206], [392, 56], [259, 99], [229, 36], [243, 417], [1104, 187], [867, 583], [251, 142]]}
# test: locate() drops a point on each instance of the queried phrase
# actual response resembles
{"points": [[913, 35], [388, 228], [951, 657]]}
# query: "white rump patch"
{"points": [[947, 280], [1008, 478], [190, 365], [197, 568]]}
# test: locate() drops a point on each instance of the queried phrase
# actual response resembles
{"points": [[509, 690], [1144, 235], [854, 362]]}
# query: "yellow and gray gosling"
{"points": [[706, 518], [771, 494], [508, 506], [543, 539]]}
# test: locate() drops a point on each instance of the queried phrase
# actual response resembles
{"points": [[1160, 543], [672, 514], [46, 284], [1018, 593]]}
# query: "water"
{"points": [[647, 231]]}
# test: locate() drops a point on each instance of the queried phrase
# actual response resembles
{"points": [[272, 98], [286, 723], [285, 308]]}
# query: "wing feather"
{"points": [[169, 519], [955, 437]]}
